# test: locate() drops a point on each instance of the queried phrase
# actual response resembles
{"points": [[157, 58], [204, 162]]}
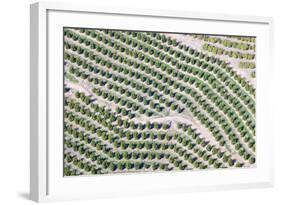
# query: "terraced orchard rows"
{"points": [[146, 101]]}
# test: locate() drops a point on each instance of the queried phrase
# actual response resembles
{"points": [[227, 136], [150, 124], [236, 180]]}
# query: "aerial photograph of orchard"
{"points": [[141, 101]]}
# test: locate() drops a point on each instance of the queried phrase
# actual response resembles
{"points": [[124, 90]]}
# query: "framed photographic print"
{"points": [[127, 102]]}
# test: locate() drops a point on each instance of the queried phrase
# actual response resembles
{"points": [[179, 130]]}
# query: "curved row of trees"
{"points": [[226, 80], [247, 64], [95, 111], [184, 52], [195, 71], [226, 42], [232, 137], [160, 136], [195, 58], [238, 105], [149, 95], [231, 53], [141, 79], [245, 39], [139, 144]]}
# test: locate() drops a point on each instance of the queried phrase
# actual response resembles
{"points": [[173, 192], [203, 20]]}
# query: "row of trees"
{"points": [[180, 140], [221, 74], [226, 42], [213, 149], [145, 89], [211, 160], [221, 90], [105, 166], [239, 105], [225, 128], [129, 135], [147, 156], [245, 39], [156, 51], [112, 117], [247, 64], [201, 55], [195, 71], [133, 155], [231, 53], [244, 84]]}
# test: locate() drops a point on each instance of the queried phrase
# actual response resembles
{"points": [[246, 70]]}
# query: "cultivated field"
{"points": [[146, 101]]}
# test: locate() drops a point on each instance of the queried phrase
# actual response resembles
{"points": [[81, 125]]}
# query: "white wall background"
{"points": [[14, 102]]}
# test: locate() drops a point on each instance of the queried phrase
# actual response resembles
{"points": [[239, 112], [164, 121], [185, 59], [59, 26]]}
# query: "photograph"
{"points": [[152, 101]]}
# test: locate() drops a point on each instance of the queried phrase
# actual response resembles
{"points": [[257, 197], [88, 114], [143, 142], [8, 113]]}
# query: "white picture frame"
{"points": [[46, 179]]}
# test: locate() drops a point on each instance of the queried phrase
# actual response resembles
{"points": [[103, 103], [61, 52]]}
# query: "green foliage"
{"points": [[150, 76]]}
